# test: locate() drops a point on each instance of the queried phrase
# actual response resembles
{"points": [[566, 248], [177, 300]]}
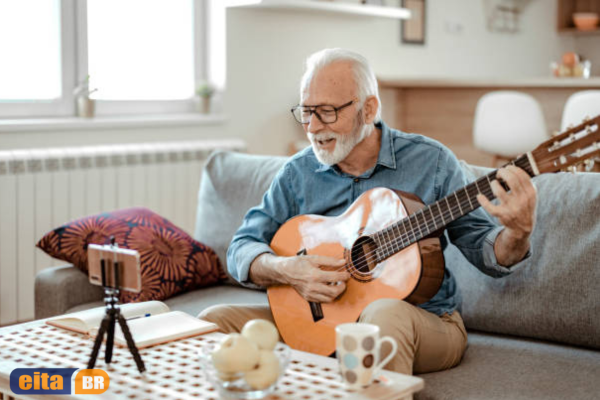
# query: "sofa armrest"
{"points": [[59, 289]]}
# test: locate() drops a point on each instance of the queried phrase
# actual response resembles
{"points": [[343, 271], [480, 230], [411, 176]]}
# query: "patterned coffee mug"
{"points": [[357, 350]]}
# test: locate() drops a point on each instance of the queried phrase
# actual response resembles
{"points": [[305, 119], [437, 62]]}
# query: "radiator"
{"points": [[41, 189]]}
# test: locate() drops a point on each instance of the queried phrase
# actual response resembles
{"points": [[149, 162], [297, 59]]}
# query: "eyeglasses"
{"points": [[326, 113]]}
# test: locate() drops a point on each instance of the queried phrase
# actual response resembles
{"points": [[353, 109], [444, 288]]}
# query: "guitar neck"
{"points": [[438, 215]]}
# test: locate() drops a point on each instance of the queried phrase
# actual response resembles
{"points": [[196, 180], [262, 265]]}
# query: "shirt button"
{"points": [[356, 180]]}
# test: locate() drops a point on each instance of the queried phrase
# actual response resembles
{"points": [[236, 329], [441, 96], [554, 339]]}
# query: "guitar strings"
{"points": [[372, 255]]}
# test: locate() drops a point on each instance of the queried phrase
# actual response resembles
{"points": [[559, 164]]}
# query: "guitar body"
{"points": [[414, 274]]}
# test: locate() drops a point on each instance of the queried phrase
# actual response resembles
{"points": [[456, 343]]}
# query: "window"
{"points": [[30, 48], [143, 51], [143, 56]]}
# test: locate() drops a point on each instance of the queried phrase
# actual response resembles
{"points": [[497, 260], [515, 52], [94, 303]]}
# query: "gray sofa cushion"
{"points": [[197, 300], [555, 295], [496, 367], [231, 184]]}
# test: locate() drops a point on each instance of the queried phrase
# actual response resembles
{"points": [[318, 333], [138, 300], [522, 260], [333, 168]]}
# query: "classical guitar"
{"points": [[390, 242]]}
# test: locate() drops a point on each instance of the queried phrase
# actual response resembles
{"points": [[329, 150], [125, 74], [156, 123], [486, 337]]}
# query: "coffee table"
{"points": [[173, 369]]}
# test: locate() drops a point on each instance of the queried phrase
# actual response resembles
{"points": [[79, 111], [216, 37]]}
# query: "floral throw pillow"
{"points": [[171, 261]]}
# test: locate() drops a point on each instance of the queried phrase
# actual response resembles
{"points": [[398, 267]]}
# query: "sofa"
{"points": [[533, 334]]}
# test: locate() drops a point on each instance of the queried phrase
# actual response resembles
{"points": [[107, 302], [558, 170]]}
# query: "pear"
{"points": [[228, 377], [234, 354], [262, 333], [265, 373]]}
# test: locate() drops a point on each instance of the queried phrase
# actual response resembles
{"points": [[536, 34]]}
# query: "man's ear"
{"points": [[370, 109]]}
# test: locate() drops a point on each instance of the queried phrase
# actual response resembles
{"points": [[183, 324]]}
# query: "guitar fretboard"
{"points": [[438, 215]]}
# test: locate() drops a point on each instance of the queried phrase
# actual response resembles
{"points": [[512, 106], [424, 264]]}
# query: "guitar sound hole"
{"points": [[364, 256]]}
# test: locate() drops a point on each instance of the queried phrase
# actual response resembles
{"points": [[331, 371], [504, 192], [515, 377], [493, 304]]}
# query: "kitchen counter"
{"points": [[444, 108], [538, 82]]}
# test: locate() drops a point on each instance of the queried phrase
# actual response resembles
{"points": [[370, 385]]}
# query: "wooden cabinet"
{"points": [[566, 8]]}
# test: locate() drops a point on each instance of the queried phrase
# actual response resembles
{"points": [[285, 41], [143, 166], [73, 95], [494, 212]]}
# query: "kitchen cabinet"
{"points": [[566, 8]]}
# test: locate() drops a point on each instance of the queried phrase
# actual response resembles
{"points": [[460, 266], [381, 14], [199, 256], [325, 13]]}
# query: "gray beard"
{"points": [[344, 144]]}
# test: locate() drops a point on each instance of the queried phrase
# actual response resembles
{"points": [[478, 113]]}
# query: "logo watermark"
{"points": [[58, 381]]}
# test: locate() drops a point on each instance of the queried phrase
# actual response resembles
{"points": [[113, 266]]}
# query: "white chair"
{"points": [[507, 124], [580, 105]]}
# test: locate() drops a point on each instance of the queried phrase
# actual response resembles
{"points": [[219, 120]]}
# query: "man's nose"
{"points": [[315, 124]]}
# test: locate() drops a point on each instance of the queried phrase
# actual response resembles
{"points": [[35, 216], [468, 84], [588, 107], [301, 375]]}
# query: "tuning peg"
{"points": [[554, 146], [588, 164], [555, 133]]}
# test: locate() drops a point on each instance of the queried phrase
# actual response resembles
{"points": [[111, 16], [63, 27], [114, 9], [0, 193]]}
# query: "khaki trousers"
{"points": [[426, 342]]}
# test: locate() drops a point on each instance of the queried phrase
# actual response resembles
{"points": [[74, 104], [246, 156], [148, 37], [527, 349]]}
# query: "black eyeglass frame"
{"points": [[313, 110]]}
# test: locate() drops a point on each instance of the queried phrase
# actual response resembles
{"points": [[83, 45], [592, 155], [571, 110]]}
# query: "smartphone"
{"points": [[129, 278]]}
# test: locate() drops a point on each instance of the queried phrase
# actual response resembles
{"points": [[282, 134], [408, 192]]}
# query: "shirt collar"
{"points": [[386, 157]]}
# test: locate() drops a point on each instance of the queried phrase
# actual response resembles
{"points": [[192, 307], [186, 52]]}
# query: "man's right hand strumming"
{"points": [[316, 278]]}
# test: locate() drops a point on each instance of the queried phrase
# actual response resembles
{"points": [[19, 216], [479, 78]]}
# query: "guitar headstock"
{"points": [[570, 147]]}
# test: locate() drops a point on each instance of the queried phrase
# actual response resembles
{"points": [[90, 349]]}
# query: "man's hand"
{"points": [[316, 278], [516, 211]]}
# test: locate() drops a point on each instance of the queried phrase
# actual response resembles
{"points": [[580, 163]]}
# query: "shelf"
{"points": [[577, 32], [105, 122], [450, 83], [323, 6], [565, 11]]}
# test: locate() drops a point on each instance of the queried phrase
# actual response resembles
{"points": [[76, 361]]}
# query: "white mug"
{"points": [[357, 350]]}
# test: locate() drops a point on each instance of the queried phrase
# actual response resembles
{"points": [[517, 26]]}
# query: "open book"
{"points": [[150, 323]]}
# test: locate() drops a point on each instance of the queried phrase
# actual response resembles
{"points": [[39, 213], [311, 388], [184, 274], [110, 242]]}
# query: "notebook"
{"points": [[150, 323]]}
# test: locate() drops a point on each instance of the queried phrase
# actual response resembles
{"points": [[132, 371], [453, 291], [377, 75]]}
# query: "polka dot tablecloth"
{"points": [[173, 370]]}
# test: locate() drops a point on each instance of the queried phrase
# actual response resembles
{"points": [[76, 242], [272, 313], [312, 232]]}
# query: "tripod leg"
{"points": [[110, 338], [131, 344], [98, 342]]}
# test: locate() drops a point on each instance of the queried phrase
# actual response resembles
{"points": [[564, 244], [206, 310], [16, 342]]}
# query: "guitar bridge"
{"points": [[316, 310]]}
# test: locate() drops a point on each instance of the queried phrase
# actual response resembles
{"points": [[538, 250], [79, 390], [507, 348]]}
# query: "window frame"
{"points": [[74, 69]]}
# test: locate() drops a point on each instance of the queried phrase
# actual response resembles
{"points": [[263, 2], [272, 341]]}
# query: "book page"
{"points": [[164, 328], [88, 321]]}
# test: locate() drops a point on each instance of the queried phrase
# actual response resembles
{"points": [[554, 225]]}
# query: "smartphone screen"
{"points": [[129, 277]]}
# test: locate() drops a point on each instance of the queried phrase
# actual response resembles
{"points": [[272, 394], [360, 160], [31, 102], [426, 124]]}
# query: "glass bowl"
{"points": [[235, 387]]}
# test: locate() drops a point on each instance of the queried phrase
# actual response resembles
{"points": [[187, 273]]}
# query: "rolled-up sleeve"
{"points": [[475, 233], [259, 226]]}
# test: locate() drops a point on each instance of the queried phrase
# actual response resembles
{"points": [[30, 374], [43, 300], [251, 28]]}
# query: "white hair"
{"points": [[363, 74]]}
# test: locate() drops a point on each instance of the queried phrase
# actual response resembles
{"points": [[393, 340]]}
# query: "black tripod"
{"points": [[113, 314]]}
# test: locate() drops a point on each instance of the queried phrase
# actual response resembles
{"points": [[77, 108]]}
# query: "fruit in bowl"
{"points": [[234, 354], [261, 332], [246, 365]]}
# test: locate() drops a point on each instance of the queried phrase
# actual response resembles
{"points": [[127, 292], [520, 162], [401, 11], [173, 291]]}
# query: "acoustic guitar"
{"points": [[390, 242]]}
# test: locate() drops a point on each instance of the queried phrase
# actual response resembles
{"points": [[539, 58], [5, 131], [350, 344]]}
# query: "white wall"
{"points": [[266, 50]]}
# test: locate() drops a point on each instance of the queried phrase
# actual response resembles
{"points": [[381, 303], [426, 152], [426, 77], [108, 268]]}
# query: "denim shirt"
{"points": [[407, 162]]}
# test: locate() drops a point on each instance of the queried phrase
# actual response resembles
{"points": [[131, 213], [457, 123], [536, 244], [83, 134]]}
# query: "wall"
{"points": [[589, 47], [266, 49]]}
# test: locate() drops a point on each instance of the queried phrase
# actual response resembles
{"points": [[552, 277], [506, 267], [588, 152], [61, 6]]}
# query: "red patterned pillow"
{"points": [[171, 261]]}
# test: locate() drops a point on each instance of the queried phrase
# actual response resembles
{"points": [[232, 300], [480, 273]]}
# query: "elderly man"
{"points": [[353, 151]]}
